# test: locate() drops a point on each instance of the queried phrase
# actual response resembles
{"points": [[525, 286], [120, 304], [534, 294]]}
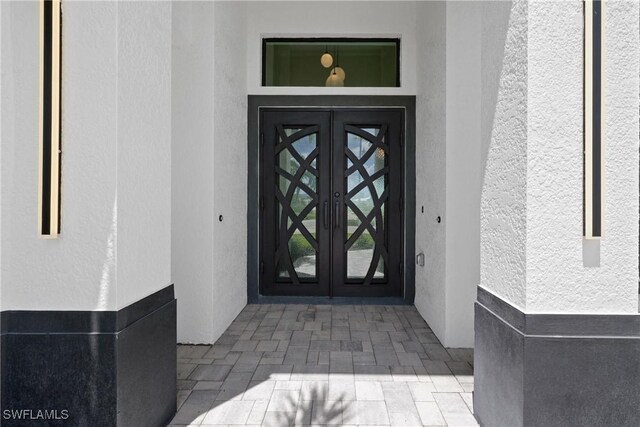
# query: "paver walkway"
{"points": [[285, 365]]}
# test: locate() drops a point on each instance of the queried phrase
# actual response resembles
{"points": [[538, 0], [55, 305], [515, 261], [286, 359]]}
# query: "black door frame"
{"points": [[258, 102]]}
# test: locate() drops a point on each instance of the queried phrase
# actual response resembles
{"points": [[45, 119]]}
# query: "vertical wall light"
{"points": [[593, 120], [49, 122]]}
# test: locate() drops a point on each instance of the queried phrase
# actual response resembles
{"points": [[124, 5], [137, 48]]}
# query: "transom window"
{"points": [[356, 62]]}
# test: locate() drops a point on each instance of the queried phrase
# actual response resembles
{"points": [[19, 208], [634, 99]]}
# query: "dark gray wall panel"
{"points": [[555, 370], [103, 367], [498, 398], [582, 381], [146, 366], [75, 372]]}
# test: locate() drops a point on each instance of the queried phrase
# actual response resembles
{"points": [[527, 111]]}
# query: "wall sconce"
{"points": [[594, 165], [49, 121]]}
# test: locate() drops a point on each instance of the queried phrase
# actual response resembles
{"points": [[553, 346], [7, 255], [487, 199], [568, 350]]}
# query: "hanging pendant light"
{"points": [[334, 80], [337, 76], [340, 73], [337, 69], [326, 60]]}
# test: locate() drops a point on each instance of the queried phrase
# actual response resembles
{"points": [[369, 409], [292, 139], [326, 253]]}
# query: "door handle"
{"points": [[336, 220], [325, 214]]}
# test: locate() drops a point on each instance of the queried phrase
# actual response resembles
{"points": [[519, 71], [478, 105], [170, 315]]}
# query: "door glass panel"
{"points": [[375, 161], [363, 201], [359, 256], [291, 131], [357, 144], [310, 181], [353, 180], [372, 131], [305, 145], [380, 184], [365, 260], [287, 162], [300, 200], [296, 235], [303, 256], [379, 274], [283, 184]]}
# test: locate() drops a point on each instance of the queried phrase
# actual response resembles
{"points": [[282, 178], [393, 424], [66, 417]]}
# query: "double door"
{"points": [[331, 202]]}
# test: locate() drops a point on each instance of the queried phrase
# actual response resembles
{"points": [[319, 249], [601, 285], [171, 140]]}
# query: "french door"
{"points": [[331, 202]]}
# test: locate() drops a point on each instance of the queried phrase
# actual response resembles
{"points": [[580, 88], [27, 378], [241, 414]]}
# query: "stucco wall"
{"points": [[331, 19], [533, 253], [79, 270], [209, 155], [230, 163], [448, 183], [462, 221], [504, 149], [560, 277], [2, 25], [144, 149], [192, 267], [431, 137]]}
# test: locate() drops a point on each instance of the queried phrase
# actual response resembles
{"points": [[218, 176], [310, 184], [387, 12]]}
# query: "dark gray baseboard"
{"points": [[273, 299], [554, 370], [99, 368]]}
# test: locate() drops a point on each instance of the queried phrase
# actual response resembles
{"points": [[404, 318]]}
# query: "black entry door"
{"points": [[331, 202]]}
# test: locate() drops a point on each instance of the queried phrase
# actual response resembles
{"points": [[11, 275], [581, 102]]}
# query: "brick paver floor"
{"points": [[285, 365]]}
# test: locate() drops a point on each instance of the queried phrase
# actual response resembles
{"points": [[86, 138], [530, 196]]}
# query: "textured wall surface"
{"points": [[77, 270], [448, 182], [144, 149], [192, 216], [2, 25], [431, 161], [230, 164], [463, 170], [334, 19], [504, 148], [209, 158], [115, 108], [558, 278]]}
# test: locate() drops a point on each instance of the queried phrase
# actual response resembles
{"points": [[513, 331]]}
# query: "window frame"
{"points": [[328, 40]]}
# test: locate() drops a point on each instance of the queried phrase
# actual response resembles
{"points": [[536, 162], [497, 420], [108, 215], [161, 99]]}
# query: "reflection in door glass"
{"points": [[296, 221], [364, 159]]}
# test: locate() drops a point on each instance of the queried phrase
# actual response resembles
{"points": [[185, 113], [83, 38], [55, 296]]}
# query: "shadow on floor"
{"points": [[285, 365]]}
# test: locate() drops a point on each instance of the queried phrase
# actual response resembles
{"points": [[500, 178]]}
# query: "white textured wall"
{"points": [[230, 164], [448, 182], [144, 149], [209, 157], [332, 19], [462, 221], [558, 279], [504, 149], [533, 253], [431, 139], [79, 270], [2, 24], [192, 265]]}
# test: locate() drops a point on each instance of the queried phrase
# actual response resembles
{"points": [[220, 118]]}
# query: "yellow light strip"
{"points": [[49, 120]]}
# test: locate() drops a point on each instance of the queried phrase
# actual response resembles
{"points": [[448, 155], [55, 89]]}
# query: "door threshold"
{"points": [[317, 300]]}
